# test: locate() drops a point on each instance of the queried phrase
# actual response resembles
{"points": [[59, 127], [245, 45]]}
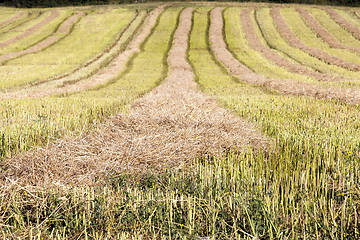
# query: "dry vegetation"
{"points": [[168, 129]]}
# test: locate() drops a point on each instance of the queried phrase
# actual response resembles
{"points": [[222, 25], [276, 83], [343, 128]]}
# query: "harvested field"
{"points": [[325, 35], [51, 63], [287, 86], [27, 32], [343, 22], [116, 66], [181, 120], [295, 42], [45, 43], [157, 132], [11, 19], [276, 57]]}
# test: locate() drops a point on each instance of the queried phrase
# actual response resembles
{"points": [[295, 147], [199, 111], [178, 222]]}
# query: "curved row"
{"points": [[295, 42], [27, 32], [287, 86], [9, 20], [275, 56], [65, 27]]}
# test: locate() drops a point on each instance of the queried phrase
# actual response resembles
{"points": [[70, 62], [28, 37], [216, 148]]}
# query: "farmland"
{"points": [[180, 120]]}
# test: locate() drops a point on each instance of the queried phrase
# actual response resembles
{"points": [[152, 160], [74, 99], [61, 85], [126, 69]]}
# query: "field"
{"points": [[180, 121]]}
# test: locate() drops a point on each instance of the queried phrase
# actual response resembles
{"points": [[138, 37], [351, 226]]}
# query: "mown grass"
{"points": [[334, 28], [6, 14], [309, 37], [28, 16], [350, 16], [103, 59], [239, 46], [73, 51], [306, 185], [30, 122], [276, 41], [38, 35], [23, 27]]}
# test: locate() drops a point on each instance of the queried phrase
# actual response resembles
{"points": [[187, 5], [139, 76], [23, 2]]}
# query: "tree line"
{"points": [[62, 3]]}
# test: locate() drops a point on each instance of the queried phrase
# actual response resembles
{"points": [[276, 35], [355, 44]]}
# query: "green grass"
{"points": [[75, 50]]}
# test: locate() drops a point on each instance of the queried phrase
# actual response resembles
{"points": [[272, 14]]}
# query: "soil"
{"points": [[286, 86], [294, 41], [255, 43], [343, 22], [27, 32], [12, 18], [323, 33], [166, 128], [45, 43]]}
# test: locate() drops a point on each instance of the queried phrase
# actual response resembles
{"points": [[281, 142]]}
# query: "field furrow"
{"points": [[65, 27], [287, 86], [343, 22], [274, 56], [295, 42], [9, 20], [29, 31], [323, 33]]}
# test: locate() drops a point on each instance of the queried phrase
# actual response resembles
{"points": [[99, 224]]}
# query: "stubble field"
{"points": [[180, 121]]}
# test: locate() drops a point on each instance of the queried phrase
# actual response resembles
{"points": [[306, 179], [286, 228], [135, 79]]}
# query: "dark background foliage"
{"points": [[61, 3]]}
